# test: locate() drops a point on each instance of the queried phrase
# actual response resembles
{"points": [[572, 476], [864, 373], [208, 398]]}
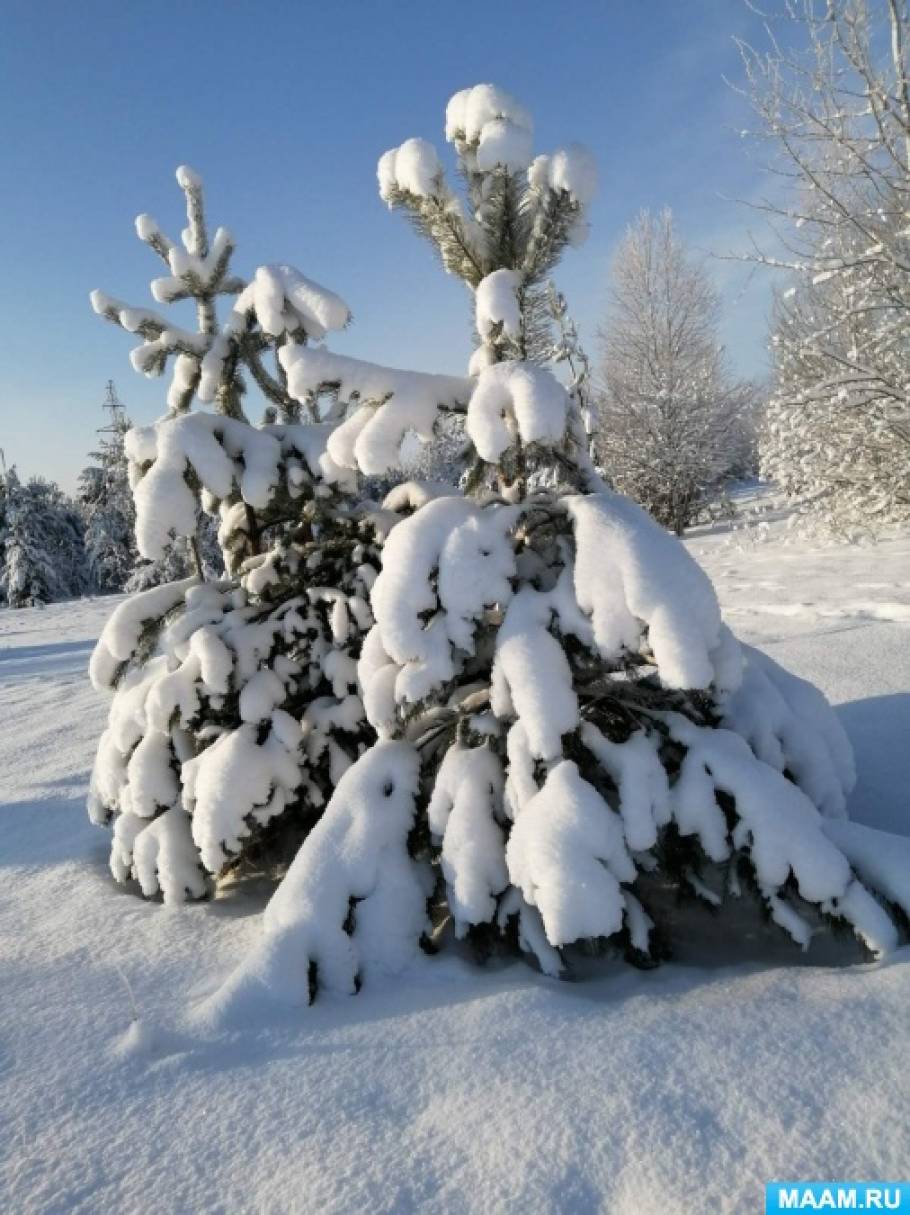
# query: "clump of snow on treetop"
{"points": [[498, 130], [469, 111], [515, 207]]}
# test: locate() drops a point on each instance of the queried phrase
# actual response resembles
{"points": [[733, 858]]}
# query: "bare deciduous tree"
{"points": [[673, 420]]}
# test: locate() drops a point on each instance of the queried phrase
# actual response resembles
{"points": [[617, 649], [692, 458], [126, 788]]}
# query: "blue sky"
{"points": [[284, 109]]}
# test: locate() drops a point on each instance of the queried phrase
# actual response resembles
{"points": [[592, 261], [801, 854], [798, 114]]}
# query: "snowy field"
{"points": [[454, 1090]]}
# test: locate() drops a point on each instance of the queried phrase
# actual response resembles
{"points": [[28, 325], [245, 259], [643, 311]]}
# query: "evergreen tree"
{"points": [[43, 544], [567, 729], [4, 498], [107, 503], [235, 708]]}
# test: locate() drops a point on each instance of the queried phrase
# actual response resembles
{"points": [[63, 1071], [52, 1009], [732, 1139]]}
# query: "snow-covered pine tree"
{"points": [[106, 502], [235, 706], [43, 544], [4, 499], [567, 728]]}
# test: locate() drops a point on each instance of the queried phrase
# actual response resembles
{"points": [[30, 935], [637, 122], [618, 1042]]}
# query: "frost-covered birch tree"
{"points": [[673, 419], [567, 731], [832, 100]]}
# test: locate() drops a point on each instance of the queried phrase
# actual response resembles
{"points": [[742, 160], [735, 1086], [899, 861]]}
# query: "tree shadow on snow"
{"points": [[58, 658], [25, 653], [879, 729], [48, 831]]}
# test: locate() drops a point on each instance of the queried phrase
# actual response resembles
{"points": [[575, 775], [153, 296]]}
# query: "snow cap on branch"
{"points": [[219, 452], [398, 402], [187, 178], [462, 814], [789, 725], [568, 857], [239, 780], [164, 856], [413, 168], [572, 170], [356, 856], [123, 632], [147, 229], [496, 304], [632, 575], [440, 568], [285, 301], [515, 400], [531, 677]]}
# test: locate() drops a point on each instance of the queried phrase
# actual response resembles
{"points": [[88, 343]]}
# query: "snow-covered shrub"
{"points": [[565, 723], [236, 707]]}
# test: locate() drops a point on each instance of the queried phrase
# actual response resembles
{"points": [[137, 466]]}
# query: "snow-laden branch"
{"points": [[388, 403]]}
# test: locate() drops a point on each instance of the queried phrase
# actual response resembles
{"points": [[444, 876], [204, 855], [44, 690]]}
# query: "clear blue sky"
{"points": [[284, 109]]}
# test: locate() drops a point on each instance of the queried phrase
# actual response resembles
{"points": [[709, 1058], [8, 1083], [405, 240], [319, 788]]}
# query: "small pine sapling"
{"points": [[236, 708]]}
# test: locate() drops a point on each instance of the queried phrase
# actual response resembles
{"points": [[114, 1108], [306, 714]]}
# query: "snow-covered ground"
{"points": [[455, 1089]]}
